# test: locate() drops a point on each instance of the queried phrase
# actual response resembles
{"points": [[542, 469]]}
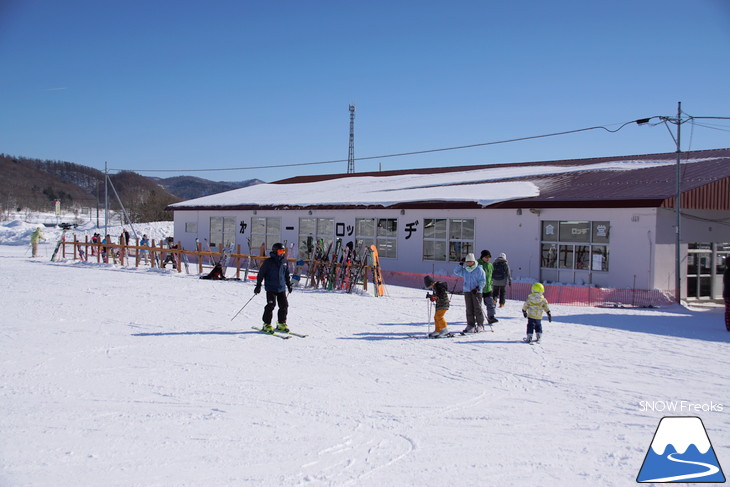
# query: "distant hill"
{"points": [[36, 184], [188, 187], [26, 184]]}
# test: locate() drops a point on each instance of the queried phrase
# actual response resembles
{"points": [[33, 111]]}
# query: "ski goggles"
{"points": [[281, 251]]}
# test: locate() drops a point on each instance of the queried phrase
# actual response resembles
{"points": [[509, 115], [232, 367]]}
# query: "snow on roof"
{"points": [[484, 186]]}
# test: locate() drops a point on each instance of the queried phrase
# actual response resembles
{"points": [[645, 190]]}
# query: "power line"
{"points": [[401, 154], [714, 127]]}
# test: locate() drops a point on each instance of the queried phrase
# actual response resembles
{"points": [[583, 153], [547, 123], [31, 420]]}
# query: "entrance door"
{"points": [[705, 265]]}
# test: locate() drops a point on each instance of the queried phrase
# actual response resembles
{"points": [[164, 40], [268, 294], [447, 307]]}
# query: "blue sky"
{"points": [[182, 85]]}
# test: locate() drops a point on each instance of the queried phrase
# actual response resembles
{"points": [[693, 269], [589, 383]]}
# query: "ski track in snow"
{"points": [[119, 376]]}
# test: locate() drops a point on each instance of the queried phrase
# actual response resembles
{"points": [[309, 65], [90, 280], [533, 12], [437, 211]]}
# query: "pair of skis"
{"points": [[60, 241], [279, 334], [448, 335], [377, 276]]}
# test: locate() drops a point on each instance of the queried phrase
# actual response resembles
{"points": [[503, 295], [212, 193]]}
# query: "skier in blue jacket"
{"points": [[274, 272], [474, 281]]}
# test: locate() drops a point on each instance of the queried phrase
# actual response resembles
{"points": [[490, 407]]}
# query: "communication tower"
{"points": [[351, 152]]}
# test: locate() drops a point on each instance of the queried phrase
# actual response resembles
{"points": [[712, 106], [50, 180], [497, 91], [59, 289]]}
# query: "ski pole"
{"points": [[430, 307], [428, 316], [239, 311]]}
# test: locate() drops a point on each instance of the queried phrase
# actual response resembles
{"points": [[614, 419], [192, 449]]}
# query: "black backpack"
{"points": [[500, 270]]}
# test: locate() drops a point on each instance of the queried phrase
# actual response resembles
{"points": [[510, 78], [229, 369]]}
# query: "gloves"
{"points": [[524, 313], [288, 286], [257, 289], [475, 291], [432, 297], [550, 317]]}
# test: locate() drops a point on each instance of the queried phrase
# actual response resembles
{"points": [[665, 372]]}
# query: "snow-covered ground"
{"points": [[119, 376], [17, 229]]}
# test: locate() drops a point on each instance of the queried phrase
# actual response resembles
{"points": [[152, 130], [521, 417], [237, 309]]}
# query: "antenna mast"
{"points": [[351, 152]]}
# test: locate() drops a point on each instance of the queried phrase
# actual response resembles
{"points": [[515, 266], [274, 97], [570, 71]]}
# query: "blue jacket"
{"points": [[275, 274], [474, 277]]}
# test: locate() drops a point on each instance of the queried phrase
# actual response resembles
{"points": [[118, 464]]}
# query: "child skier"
{"points": [[532, 310], [441, 298]]}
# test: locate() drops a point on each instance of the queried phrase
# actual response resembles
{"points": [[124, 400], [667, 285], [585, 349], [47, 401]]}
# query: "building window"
{"points": [[599, 258], [434, 238], [549, 256], [381, 232], [452, 238], [364, 232], [191, 227], [386, 237], [222, 231], [264, 231], [575, 245], [565, 256], [461, 238], [315, 233]]}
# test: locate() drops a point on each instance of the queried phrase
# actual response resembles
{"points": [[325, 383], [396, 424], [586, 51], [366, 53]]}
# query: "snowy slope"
{"points": [[136, 377]]}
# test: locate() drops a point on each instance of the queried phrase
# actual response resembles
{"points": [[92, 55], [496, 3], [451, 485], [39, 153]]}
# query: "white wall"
{"points": [[641, 240], [695, 226]]}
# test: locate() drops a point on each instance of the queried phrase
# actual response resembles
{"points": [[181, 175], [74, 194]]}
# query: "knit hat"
{"points": [[485, 253], [470, 258], [503, 255], [428, 281]]}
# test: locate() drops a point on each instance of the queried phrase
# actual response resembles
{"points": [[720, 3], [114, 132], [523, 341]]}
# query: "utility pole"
{"points": [[677, 206], [678, 196], [351, 152], [106, 198]]}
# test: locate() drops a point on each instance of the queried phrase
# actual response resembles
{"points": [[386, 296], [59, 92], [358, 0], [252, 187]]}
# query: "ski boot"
{"points": [[281, 327], [537, 338], [266, 328], [439, 334], [527, 339]]}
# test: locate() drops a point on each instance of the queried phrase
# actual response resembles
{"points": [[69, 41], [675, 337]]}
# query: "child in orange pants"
{"points": [[441, 298]]}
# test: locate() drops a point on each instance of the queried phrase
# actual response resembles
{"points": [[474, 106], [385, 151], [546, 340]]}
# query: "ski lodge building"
{"points": [[604, 222]]}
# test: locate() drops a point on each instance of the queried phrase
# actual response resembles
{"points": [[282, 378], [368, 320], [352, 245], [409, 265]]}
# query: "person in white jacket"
{"points": [[474, 282]]}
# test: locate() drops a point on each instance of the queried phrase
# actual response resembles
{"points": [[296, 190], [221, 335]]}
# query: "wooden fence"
{"points": [[157, 255]]}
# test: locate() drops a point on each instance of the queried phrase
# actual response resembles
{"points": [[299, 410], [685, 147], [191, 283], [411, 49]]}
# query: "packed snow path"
{"points": [[120, 376]]}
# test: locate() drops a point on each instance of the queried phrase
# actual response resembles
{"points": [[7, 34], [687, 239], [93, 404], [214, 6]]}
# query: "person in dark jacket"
{"points": [[274, 273], [440, 296], [726, 292], [501, 278]]}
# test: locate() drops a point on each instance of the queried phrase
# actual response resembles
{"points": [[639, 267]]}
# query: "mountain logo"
{"points": [[680, 452]]}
